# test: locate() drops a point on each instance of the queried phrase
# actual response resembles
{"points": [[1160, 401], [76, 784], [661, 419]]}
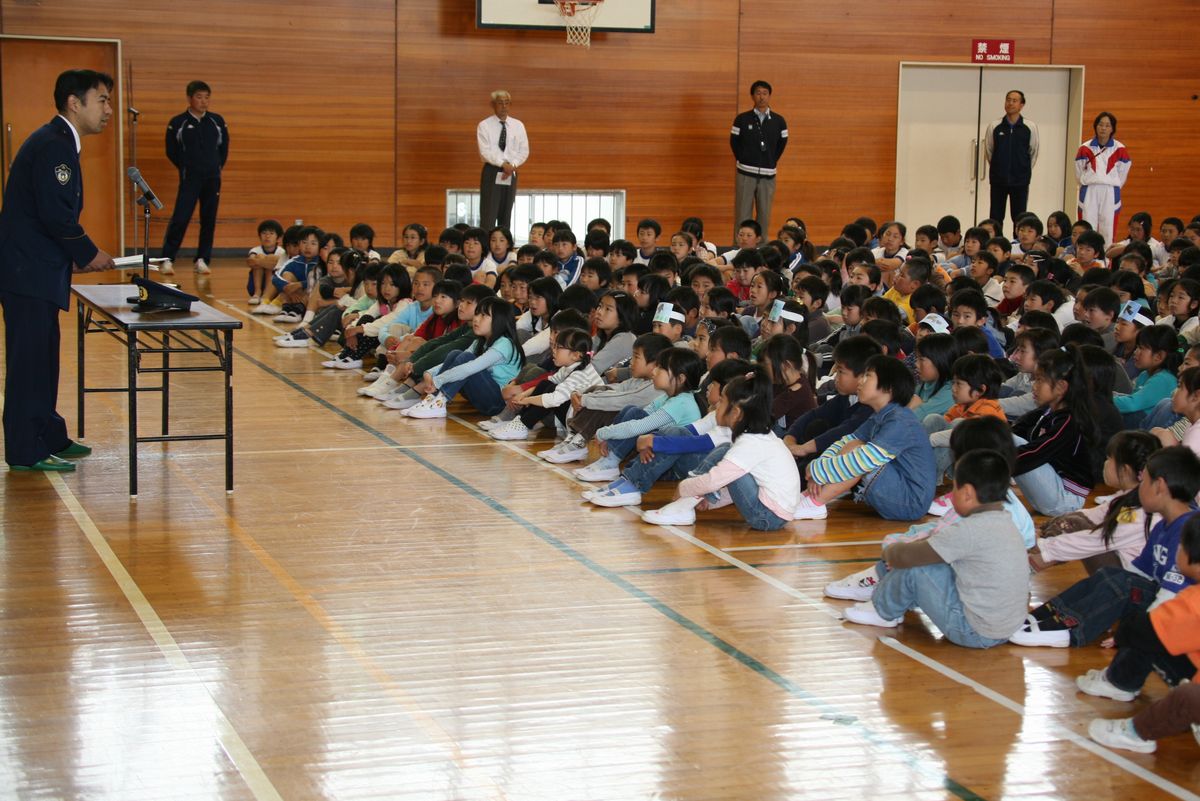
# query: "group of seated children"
{"points": [[1017, 374]]}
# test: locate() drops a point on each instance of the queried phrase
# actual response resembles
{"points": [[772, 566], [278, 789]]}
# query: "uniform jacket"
{"points": [[198, 147], [40, 234], [1012, 150], [758, 146]]}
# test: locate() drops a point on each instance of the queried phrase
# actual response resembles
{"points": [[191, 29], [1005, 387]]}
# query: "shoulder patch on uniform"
{"points": [[63, 173]]}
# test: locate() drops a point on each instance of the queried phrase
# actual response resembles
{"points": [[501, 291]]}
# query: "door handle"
{"points": [[8, 151], [974, 160]]}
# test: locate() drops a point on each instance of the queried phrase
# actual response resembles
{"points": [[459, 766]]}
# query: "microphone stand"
{"points": [[134, 114], [144, 202]]}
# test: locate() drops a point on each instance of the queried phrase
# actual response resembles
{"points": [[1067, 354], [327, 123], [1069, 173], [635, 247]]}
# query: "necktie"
{"points": [[503, 135]]}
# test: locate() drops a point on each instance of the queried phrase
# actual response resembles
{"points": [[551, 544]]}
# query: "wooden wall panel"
{"points": [[366, 109], [645, 112], [1140, 68], [307, 88], [835, 70]]}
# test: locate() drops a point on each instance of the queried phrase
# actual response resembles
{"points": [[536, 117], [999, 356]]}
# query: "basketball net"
{"points": [[578, 16]]}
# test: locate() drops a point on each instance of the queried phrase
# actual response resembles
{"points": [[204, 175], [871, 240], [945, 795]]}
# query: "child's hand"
{"points": [[403, 371], [390, 343], [576, 401], [603, 445], [611, 375], [703, 505], [510, 391]]}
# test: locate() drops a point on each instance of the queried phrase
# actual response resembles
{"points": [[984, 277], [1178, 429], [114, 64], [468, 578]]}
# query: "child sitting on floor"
{"points": [[988, 433], [970, 578], [1163, 640], [887, 461], [756, 473], [1089, 608]]}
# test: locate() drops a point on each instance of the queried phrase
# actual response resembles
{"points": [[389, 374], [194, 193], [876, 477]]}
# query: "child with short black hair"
{"points": [[840, 414], [887, 461], [984, 267], [569, 262], [648, 232], [1100, 308], [813, 294], [1016, 283], [971, 577], [1047, 296], [1158, 356], [265, 258], [935, 356], [1087, 609], [595, 274], [969, 308], [720, 302], [291, 281], [987, 433]]}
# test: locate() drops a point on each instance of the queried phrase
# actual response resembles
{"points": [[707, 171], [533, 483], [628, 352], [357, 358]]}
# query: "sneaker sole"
{"points": [[843, 593]]}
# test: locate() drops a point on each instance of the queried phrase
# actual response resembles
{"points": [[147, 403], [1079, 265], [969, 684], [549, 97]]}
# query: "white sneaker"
{"points": [[491, 422], [430, 408], [347, 364], [254, 300], [290, 342], [1094, 682], [859, 586], [285, 317], [202, 267], [384, 385], [572, 449], [166, 268], [511, 431], [865, 615], [1196, 732], [598, 471], [679, 512], [1030, 634], [1119, 734], [808, 509], [940, 506], [612, 498], [400, 401], [373, 374], [333, 363], [267, 308]]}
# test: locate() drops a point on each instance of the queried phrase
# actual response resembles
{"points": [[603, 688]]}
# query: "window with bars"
{"points": [[574, 206]]}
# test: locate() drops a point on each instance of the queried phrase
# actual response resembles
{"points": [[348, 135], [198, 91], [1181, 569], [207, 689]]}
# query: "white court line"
{"points": [[801, 545], [834, 612], [231, 742], [1059, 731]]}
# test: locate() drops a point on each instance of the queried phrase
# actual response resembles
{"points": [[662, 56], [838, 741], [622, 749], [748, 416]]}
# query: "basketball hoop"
{"points": [[577, 16]]}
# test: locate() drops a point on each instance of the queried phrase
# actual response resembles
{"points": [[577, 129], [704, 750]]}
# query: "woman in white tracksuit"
{"points": [[1101, 167]]}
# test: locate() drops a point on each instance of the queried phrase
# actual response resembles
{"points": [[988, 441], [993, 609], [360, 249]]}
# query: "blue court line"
{"points": [[827, 710], [757, 565]]}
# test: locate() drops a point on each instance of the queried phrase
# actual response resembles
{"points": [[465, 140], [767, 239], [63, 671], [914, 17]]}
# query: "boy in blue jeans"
{"points": [[972, 577], [887, 461]]}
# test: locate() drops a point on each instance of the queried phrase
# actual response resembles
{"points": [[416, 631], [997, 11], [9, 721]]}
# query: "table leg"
{"points": [[229, 411], [166, 383], [80, 326], [133, 444]]}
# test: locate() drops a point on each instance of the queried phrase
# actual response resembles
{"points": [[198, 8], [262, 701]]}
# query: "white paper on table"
{"points": [[135, 261]]}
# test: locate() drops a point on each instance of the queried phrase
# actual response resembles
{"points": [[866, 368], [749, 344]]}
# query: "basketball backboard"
{"points": [[624, 16]]}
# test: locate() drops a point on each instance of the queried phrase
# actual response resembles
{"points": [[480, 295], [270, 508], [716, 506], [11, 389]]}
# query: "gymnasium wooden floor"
{"points": [[399, 609]]}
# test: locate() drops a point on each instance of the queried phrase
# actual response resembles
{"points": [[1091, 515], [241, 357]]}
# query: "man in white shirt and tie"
{"points": [[503, 146]]}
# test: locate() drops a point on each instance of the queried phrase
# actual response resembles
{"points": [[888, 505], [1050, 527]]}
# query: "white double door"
{"points": [[944, 112]]}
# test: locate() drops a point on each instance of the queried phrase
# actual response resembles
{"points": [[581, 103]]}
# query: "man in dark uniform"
{"points": [[41, 241], [1011, 147], [758, 138], [198, 145]]}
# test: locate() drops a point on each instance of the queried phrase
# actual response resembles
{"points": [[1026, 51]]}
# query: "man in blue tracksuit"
{"points": [[757, 138], [198, 145], [1011, 146], [41, 244]]}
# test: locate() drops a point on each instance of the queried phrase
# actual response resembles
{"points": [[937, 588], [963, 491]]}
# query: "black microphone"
{"points": [[135, 175]]}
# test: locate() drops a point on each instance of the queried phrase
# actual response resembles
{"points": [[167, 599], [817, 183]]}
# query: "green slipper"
{"points": [[51, 464], [75, 450]]}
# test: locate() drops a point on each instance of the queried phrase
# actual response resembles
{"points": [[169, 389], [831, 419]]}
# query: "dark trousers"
{"points": [[532, 415], [1091, 606], [1017, 197], [33, 428], [1140, 652], [206, 190], [495, 201]]}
